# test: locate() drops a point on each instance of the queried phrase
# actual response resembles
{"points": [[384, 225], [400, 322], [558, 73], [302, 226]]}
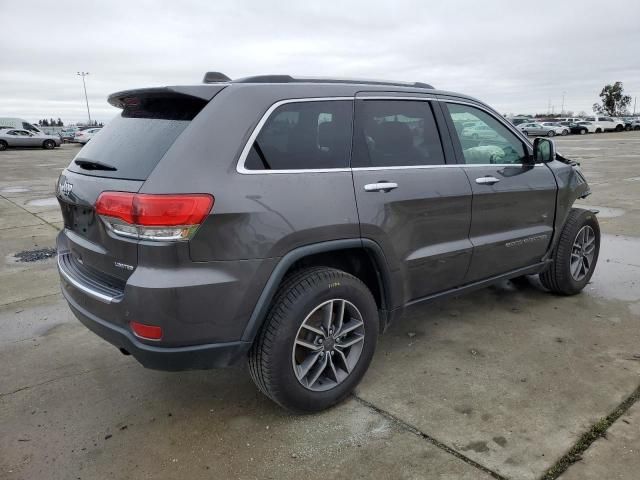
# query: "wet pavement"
{"points": [[500, 383]]}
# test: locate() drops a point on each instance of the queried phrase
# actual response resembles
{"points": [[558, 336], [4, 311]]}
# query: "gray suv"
{"points": [[288, 221]]}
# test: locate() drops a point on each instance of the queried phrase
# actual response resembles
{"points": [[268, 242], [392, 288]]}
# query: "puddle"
{"points": [[605, 212], [14, 190], [617, 274], [43, 202]]}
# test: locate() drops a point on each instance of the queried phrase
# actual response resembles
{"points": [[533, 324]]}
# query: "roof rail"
{"points": [[290, 79], [215, 77]]}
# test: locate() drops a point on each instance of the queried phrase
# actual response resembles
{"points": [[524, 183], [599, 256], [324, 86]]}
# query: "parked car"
{"points": [[608, 124], [83, 136], [68, 134], [591, 126], [15, 137], [568, 119], [190, 245], [540, 129], [479, 131], [563, 130], [20, 124], [635, 125]]}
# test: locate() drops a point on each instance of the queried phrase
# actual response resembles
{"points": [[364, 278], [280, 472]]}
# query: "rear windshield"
{"points": [[132, 144]]}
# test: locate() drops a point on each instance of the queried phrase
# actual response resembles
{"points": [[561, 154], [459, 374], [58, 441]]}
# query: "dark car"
{"points": [[576, 128], [287, 222]]}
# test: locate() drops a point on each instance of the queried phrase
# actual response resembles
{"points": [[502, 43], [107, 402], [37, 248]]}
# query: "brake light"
{"points": [[147, 332], [153, 217]]}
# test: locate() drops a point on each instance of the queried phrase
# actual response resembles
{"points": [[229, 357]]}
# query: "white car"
{"points": [[591, 127], [569, 119], [608, 124], [83, 136]]}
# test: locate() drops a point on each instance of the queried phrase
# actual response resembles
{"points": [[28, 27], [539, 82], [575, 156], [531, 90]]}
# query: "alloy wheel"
{"points": [[328, 345], [582, 253]]}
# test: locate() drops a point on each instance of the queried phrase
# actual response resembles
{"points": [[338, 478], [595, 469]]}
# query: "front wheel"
{"points": [[3, 145], [583, 131], [525, 132], [619, 128], [49, 144], [550, 133], [576, 254], [565, 133], [317, 341]]}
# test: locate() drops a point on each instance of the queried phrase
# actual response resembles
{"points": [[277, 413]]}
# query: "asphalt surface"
{"points": [[502, 383]]}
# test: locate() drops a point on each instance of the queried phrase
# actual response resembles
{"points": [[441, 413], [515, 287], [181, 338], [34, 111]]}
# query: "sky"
{"points": [[520, 57]]}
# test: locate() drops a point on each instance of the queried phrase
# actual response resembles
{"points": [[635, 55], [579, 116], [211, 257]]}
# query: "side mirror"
{"points": [[544, 150]]}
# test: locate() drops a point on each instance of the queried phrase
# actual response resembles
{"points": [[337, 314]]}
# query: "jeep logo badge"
{"points": [[66, 187]]}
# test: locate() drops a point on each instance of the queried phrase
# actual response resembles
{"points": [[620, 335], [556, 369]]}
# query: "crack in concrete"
{"points": [[30, 213], [30, 299], [597, 430], [51, 380], [442, 446]]}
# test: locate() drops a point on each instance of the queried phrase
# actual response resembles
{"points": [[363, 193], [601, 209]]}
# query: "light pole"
{"points": [[84, 74], [562, 109]]}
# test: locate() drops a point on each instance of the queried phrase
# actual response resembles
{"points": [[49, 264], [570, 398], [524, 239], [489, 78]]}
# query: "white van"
{"points": [[10, 122]]}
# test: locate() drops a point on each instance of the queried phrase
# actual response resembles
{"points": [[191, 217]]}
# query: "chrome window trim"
{"points": [[451, 165], [240, 168]]}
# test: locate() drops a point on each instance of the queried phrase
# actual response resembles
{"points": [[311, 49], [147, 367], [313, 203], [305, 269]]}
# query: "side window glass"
{"points": [[488, 141], [304, 135], [395, 133]]}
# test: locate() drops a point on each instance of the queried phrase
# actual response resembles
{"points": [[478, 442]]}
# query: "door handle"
{"points": [[380, 187], [488, 180]]}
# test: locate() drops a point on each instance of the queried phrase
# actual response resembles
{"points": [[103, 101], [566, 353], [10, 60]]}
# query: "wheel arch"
{"points": [[362, 258]]}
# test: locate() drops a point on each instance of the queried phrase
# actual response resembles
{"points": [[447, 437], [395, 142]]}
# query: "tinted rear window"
{"points": [[134, 142]]}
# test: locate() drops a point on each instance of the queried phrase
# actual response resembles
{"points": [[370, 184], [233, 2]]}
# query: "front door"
{"points": [[513, 199], [410, 201]]}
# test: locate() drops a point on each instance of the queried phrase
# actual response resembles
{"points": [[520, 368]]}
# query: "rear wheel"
{"points": [[525, 132], [565, 132], [598, 130], [3, 145], [576, 254], [619, 128], [317, 341], [637, 127], [49, 144], [550, 133], [627, 128]]}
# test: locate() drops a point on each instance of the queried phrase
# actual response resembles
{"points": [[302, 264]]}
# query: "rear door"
{"points": [[410, 200], [119, 159], [513, 199]]}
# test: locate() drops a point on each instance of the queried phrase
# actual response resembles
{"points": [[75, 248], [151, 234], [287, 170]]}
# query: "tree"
{"points": [[59, 123], [614, 101]]}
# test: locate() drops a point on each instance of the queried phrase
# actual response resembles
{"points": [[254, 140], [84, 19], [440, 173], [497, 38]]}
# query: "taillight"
{"points": [[153, 217]]}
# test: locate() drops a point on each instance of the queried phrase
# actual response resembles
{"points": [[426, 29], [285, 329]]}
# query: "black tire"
{"points": [[619, 128], [272, 354], [49, 144], [550, 133], [565, 132], [637, 127], [598, 130], [583, 131], [558, 277], [627, 128], [525, 132], [3, 145]]}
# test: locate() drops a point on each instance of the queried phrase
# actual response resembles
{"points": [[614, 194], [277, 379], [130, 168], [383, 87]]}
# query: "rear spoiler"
{"points": [[201, 92]]}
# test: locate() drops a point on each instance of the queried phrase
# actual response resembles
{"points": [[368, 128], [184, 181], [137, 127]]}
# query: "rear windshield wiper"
{"points": [[93, 165]]}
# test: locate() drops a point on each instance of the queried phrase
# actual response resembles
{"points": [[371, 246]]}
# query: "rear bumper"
{"points": [[197, 357]]}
